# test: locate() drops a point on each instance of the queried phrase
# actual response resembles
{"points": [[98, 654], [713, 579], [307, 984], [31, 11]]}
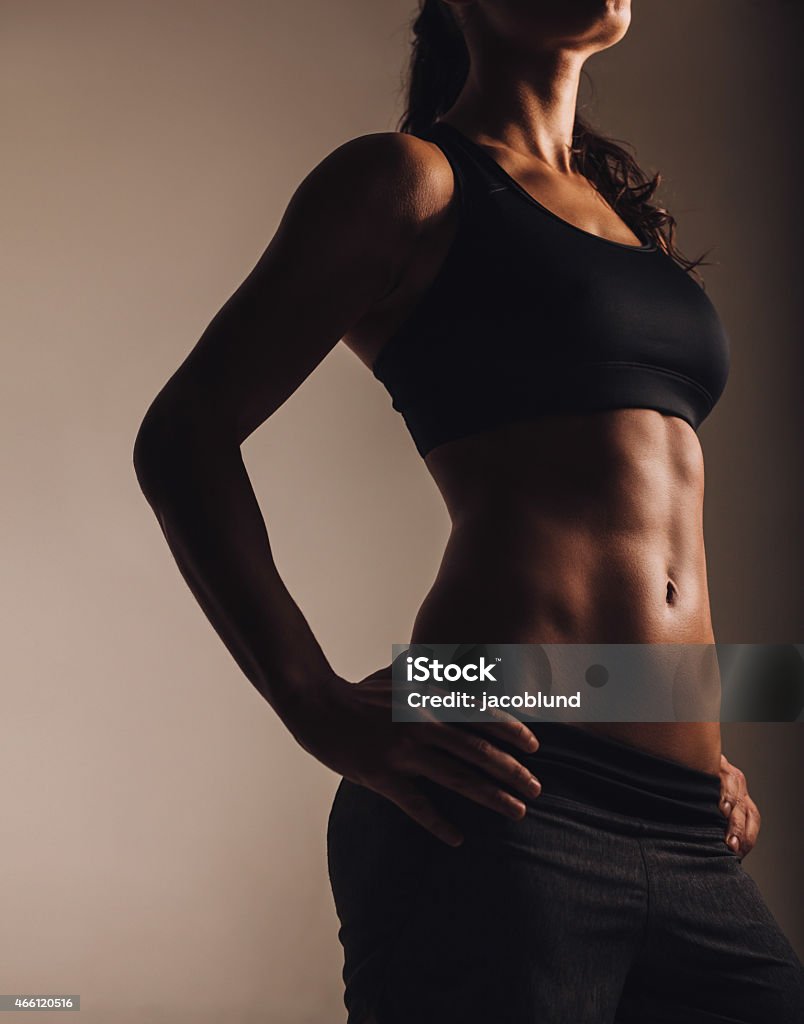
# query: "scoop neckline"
{"points": [[649, 246]]}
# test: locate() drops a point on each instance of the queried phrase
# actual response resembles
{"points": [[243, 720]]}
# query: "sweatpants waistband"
{"points": [[611, 776]]}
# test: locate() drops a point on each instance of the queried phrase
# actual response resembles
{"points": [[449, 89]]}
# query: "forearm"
{"points": [[203, 499]]}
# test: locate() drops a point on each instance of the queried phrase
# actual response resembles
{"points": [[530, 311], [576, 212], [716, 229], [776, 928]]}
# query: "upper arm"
{"points": [[339, 247]]}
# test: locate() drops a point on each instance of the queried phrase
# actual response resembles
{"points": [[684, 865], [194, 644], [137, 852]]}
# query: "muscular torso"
{"points": [[568, 528], [578, 529]]}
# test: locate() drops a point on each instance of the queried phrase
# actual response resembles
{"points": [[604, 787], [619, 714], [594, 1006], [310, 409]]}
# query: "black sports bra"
{"points": [[529, 314]]}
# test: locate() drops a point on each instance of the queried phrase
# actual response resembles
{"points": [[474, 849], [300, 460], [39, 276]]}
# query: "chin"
{"points": [[592, 24], [602, 21], [615, 20]]}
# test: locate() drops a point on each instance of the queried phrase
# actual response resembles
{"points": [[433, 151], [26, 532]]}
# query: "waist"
{"points": [[567, 585], [581, 589], [620, 779]]}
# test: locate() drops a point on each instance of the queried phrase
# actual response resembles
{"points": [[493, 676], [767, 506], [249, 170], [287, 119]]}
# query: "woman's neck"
{"points": [[530, 108]]}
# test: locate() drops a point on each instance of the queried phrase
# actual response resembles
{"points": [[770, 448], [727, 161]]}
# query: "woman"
{"points": [[552, 358]]}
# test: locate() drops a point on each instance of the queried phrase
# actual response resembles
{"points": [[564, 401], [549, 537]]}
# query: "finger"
{"points": [[735, 831], [509, 729], [479, 751], [451, 773], [732, 786], [410, 799], [753, 822]]}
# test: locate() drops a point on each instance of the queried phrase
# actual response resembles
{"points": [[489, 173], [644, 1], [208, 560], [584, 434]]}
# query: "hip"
{"points": [[619, 869]]}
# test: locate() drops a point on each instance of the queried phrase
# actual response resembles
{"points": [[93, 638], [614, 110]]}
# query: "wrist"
{"points": [[300, 692]]}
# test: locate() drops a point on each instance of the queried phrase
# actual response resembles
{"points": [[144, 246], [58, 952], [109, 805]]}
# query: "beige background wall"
{"points": [[162, 836]]}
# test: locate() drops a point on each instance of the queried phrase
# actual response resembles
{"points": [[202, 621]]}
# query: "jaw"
{"points": [[581, 25]]}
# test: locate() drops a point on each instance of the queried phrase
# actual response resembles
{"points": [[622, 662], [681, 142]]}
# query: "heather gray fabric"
{"points": [[616, 901]]}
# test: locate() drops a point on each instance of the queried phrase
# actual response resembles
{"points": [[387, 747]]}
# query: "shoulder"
{"points": [[394, 176], [361, 214]]}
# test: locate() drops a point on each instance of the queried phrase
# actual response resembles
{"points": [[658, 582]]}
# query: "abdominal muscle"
{"points": [[578, 529]]}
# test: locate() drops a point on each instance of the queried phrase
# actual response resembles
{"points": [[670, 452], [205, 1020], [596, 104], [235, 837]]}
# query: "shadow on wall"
{"points": [[762, 682]]}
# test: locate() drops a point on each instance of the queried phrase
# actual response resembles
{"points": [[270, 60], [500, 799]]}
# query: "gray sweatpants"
{"points": [[615, 901]]}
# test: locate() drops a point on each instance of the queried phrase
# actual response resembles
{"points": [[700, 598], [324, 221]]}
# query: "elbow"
{"points": [[174, 444], [164, 442], [149, 452]]}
